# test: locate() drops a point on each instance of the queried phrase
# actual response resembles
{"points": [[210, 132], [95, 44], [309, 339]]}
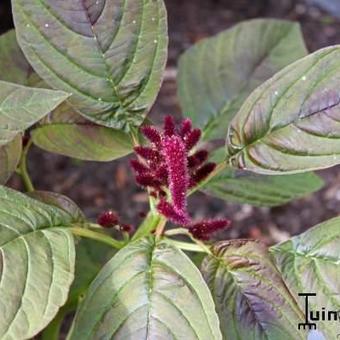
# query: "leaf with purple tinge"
{"points": [[291, 123], [310, 263], [37, 256], [250, 296], [13, 64], [216, 75], [9, 158], [142, 292], [109, 54]]}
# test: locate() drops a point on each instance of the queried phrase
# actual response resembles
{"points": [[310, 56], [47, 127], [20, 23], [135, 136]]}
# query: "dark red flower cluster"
{"points": [[109, 219], [170, 167]]}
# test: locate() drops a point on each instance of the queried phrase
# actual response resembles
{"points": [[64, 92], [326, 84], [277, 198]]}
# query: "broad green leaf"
{"points": [[21, 107], [310, 263], [241, 186], [9, 158], [36, 263], [14, 66], [148, 290], [291, 123], [109, 54], [251, 298], [59, 201], [216, 75], [90, 255], [67, 133]]}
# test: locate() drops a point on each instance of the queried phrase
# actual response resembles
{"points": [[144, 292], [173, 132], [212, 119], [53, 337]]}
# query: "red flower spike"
{"points": [[139, 167], [151, 134], [147, 153], [170, 169], [107, 219], [203, 230], [162, 174], [167, 209], [126, 228], [169, 126], [147, 181], [176, 161], [197, 159], [202, 173], [192, 138], [186, 127]]}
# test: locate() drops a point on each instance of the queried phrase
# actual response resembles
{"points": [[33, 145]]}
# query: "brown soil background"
{"points": [[99, 186]]}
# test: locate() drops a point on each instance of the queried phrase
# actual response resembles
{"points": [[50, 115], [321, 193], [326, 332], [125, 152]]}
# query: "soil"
{"points": [[96, 187]]}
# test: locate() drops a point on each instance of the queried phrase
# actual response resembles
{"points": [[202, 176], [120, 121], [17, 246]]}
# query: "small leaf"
{"points": [[261, 190], [310, 263], [59, 201], [251, 298], [66, 133], [21, 107], [109, 54], [148, 290], [216, 75], [15, 67], [36, 263], [9, 158], [291, 123]]}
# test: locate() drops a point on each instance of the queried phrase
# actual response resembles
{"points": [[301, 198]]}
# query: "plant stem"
{"points": [[148, 226], [220, 167], [98, 237], [187, 246], [182, 231], [23, 168], [160, 227]]}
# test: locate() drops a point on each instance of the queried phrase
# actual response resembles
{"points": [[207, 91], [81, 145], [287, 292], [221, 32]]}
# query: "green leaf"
{"points": [[148, 290], [260, 190], [251, 298], [291, 123], [9, 158], [21, 107], [90, 256], [109, 54], [216, 75], [310, 263], [67, 133], [13, 61], [36, 263], [59, 201]]}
